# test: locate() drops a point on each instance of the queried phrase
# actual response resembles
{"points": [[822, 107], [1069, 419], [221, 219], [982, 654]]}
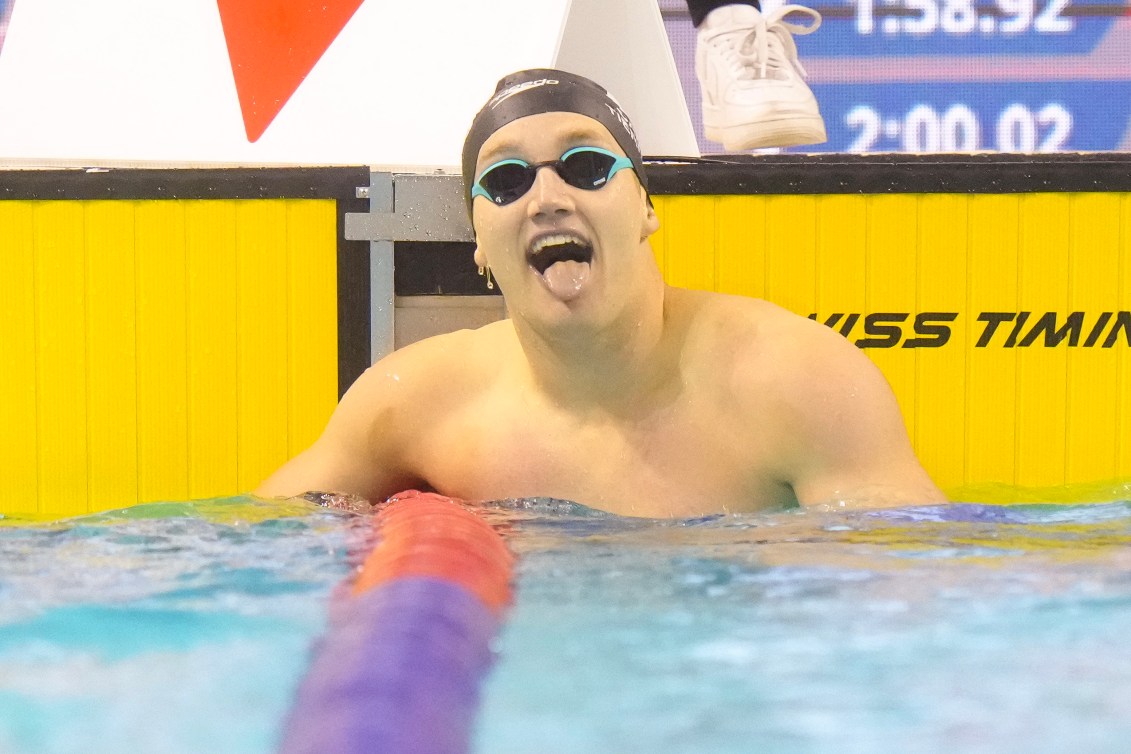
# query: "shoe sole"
{"points": [[784, 132]]}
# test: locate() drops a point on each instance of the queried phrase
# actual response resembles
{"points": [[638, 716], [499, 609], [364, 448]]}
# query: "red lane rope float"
{"points": [[400, 667], [436, 537]]}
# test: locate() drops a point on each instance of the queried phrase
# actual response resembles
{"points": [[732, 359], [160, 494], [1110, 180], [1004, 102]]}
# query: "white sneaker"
{"points": [[751, 79]]}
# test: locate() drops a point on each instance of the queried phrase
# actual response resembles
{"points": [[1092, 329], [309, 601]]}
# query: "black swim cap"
{"points": [[546, 90]]}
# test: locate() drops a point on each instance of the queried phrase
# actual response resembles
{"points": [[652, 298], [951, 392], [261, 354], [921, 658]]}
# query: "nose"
{"points": [[549, 195]]}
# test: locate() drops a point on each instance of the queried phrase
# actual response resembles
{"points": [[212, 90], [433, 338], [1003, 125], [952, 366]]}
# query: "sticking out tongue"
{"points": [[564, 262], [565, 279]]}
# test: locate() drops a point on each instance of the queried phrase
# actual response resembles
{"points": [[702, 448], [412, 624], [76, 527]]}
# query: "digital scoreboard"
{"points": [[960, 75], [966, 75]]}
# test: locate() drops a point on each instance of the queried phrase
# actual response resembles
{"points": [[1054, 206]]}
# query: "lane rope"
{"points": [[401, 664]]}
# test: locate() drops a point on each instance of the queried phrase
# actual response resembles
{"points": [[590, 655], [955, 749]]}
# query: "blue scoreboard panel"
{"points": [[972, 75], [5, 13]]}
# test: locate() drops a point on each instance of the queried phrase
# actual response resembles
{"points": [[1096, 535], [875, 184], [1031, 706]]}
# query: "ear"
{"points": [[480, 256], [651, 221]]}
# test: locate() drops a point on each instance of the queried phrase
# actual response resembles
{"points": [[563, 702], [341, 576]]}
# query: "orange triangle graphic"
{"points": [[273, 45]]}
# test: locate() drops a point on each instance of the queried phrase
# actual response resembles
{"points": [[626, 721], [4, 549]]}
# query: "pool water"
{"points": [[966, 628], [161, 628]]}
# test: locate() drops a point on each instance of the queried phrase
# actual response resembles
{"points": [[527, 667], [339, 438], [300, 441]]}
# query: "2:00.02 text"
{"points": [[1016, 128]]}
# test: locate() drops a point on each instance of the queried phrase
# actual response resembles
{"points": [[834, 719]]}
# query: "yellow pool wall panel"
{"points": [[1031, 293], [161, 349], [19, 431]]}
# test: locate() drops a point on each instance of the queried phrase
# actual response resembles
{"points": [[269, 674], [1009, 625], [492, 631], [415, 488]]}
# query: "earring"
{"points": [[487, 271]]}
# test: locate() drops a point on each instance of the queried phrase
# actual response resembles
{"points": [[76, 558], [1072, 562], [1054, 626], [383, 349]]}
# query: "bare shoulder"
{"points": [[828, 412], [757, 337], [437, 369], [364, 449], [812, 372], [762, 360]]}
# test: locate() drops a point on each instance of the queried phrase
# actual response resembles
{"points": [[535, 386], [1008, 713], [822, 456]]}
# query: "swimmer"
{"points": [[605, 385]]}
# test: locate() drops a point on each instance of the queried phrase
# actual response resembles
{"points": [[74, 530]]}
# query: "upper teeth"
{"points": [[556, 240]]}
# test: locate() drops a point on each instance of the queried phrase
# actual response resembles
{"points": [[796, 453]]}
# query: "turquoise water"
{"points": [[167, 628], [185, 628]]}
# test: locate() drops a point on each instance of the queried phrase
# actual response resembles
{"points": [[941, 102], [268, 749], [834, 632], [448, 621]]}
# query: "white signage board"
{"points": [[140, 82]]}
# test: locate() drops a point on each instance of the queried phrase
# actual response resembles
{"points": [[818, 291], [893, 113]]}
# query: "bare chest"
{"points": [[681, 460]]}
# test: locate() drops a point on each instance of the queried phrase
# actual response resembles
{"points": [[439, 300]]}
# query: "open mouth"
{"points": [[547, 251]]}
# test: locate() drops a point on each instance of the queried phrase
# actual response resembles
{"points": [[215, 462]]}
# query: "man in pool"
{"points": [[606, 386]]}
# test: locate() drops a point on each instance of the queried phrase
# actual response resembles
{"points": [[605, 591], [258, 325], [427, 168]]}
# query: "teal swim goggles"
{"points": [[587, 168]]}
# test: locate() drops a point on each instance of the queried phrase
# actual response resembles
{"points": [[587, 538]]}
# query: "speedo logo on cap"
{"points": [[515, 89]]}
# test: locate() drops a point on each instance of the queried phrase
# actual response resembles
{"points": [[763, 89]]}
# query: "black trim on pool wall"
{"points": [[183, 183], [353, 288], [891, 174]]}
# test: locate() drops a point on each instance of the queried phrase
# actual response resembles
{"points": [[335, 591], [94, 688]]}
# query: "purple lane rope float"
{"points": [[400, 667]]}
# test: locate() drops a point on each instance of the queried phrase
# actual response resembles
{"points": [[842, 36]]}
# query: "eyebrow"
{"points": [[576, 137]]}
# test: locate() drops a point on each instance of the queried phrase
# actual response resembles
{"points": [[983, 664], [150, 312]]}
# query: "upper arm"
{"points": [[359, 451], [851, 447]]}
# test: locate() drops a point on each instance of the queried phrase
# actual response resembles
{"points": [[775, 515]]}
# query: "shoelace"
{"points": [[756, 50]]}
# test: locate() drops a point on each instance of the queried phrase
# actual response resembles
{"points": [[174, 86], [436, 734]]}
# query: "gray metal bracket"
{"points": [[402, 207], [422, 208]]}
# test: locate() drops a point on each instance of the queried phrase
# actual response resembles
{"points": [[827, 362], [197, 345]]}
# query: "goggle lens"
{"points": [[506, 182]]}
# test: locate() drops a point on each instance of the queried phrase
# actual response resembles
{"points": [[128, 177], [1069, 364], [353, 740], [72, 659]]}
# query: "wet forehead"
{"points": [[544, 136]]}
